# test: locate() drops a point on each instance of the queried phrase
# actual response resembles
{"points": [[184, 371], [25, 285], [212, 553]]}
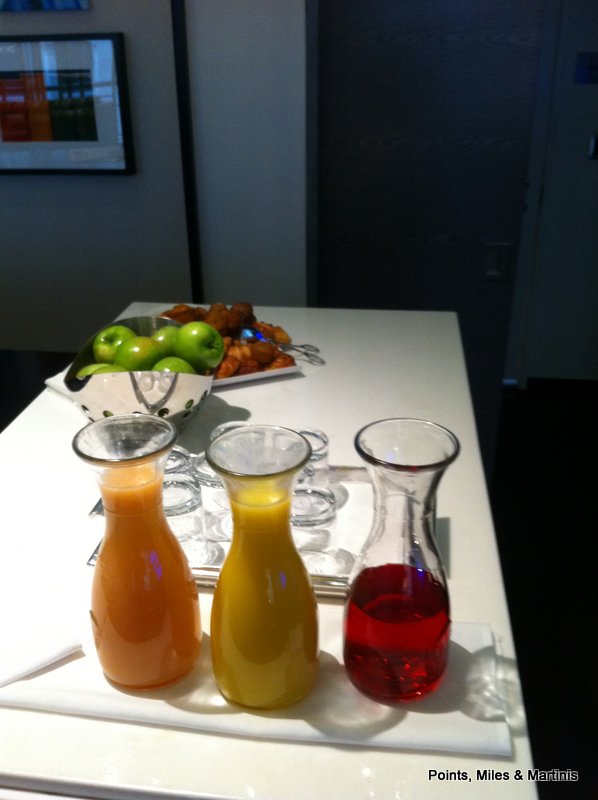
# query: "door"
{"points": [[425, 112], [554, 332]]}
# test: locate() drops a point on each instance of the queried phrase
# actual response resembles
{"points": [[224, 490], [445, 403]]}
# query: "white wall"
{"points": [[75, 249], [247, 74]]}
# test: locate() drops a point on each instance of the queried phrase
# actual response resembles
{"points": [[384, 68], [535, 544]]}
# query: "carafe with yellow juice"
{"points": [[144, 606], [264, 628]]}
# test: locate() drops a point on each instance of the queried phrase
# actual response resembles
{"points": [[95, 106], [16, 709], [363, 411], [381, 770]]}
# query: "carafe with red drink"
{"points": [[397, 614]]}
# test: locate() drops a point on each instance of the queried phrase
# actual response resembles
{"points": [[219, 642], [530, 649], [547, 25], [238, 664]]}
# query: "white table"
{"points": [[379, 364]]}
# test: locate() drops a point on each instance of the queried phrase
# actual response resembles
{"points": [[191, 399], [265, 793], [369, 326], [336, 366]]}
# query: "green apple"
{"points": [[104, 368], [90, 369], [107, 342], [165, 337], [174, 364], [199, 344], [138, 353], [98, 369]]}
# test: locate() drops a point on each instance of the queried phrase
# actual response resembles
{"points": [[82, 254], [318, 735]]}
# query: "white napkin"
{"points": [[465, 715], [34, 633]]}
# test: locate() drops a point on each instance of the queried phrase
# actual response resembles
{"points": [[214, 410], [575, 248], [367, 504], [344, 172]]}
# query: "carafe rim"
{"points": [[120, 459], [257, 476], [426, 466]]}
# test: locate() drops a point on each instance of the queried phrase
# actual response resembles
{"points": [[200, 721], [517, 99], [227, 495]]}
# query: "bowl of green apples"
{"points": [[147, 365]]}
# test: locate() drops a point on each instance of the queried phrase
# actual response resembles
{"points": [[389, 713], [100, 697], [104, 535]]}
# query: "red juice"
{"points": [[397, 630]]}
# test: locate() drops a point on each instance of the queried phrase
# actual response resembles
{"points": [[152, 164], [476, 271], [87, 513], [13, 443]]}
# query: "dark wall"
{"points": [[425, 114]]}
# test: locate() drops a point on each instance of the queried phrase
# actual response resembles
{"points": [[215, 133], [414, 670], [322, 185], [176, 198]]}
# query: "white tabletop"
{"points": [[378, 364]]}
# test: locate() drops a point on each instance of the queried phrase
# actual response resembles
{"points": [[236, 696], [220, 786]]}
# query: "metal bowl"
{"points": [[173, 395]]}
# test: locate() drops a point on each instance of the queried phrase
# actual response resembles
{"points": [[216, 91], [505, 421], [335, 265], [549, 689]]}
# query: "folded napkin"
{"points": [[47, 644], [34, 634], [465, 715]]}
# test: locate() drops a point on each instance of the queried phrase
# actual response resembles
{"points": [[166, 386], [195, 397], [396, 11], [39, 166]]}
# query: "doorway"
{"points": [[555, 315], [424, 119]]}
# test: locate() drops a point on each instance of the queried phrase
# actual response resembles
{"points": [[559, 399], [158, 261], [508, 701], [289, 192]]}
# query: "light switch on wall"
{"points": [[497, 259]]}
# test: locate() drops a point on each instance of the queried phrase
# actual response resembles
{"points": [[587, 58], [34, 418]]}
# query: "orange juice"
{"points": [[264, 630], [145, 609]]}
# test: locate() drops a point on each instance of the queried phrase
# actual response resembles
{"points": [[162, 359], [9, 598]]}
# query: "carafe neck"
{"points": [[394, 489], [132, 490]]}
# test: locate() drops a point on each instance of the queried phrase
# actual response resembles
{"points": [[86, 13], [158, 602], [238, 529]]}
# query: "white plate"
{"points": [[256, 376]]}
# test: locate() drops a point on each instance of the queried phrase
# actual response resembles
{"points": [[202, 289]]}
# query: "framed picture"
{"points": [[64, 105], [44, 5]]}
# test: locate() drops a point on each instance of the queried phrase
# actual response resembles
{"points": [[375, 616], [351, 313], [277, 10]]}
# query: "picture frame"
{"points": [[44, 5], [64, 105]]}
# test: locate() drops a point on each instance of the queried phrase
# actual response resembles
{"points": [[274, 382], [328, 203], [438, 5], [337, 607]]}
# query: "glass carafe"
{"points": [[397, 615], [144, 604], [264, 629]]}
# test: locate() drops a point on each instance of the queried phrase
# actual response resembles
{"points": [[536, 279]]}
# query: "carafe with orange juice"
{"points": [[264, 626], [144, 605]]}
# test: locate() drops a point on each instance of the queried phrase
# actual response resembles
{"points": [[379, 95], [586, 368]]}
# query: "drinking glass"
{"points": [[314, 503], [183, 506], [216, 506], [178, 460]]}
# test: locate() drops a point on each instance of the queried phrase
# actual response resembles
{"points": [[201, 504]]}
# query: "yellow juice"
{"points": [[264, 629]]}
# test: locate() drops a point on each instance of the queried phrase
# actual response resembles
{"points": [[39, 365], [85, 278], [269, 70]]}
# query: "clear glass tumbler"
{"points": [[183, 506], [314, 502]]}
